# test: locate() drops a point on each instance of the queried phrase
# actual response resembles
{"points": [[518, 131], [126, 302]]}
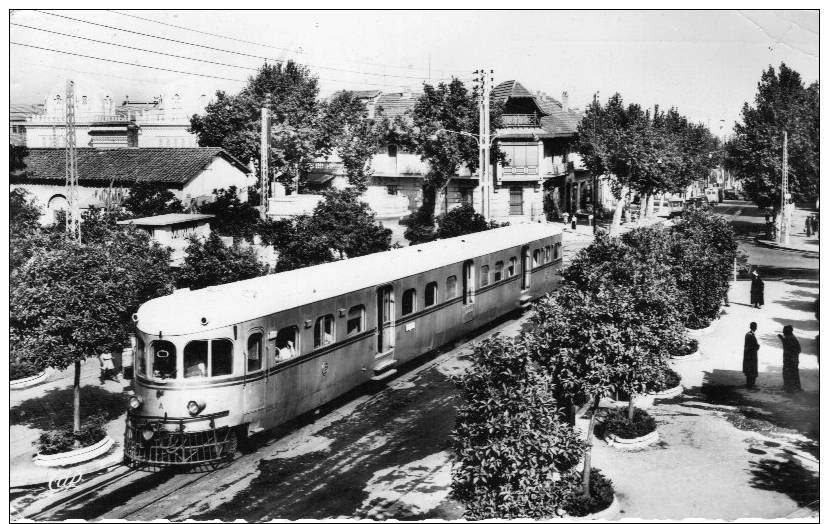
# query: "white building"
{"points": [[174, 230], [105, 175]]}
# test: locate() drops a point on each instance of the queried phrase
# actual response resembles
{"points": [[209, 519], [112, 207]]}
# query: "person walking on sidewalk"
{"points": [[808, 226], [791, 360], [757, 287], [750, 348], [107, 367]]}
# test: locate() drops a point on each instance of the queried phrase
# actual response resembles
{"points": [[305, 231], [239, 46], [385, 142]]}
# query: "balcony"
{"points": [[519, 120]]}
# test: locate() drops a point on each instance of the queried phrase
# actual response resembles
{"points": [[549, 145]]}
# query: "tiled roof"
{"points": [[124, 166], [23, 111], [167, 219], [395, 104]]}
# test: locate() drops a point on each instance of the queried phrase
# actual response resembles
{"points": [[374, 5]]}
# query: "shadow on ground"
{"points": [[789, 477], [54, 407]]}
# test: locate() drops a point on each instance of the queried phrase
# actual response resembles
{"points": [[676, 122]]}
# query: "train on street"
{"points": [[216, 365]]}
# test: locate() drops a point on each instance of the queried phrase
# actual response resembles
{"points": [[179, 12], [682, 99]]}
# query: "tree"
{"points": [[71, 301], [782, 103], [348, 224], [508, 442], [210, 263], [461, 220], [17, 157], [147, 199], [289, 91], [440, 118], [232, 217], [24, 214]]}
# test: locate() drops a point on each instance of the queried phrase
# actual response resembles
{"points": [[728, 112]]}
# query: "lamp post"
{"points": [[485, 179]]}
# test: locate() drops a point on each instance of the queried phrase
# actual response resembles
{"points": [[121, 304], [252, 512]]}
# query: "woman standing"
{"points": [[791, 360], [757, 286]]}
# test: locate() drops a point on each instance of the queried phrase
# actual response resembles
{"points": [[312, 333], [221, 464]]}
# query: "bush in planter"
{"points": [[689, 348], [575, 502], [665, 379], [618, 424], [63, 439]]}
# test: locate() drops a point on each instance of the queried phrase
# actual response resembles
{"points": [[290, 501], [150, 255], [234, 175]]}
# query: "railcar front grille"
{"points": [[176, 447]]}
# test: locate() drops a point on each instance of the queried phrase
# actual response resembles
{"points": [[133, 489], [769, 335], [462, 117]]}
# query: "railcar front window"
{"points": [[140, 357], [221, 357], [195, 359], [163, 359]]}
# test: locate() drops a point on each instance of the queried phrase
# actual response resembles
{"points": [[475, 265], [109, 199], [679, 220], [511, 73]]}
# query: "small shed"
{"points": [[173, 230]]}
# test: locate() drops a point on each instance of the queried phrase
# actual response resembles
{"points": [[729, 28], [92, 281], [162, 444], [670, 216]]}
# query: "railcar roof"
{"points": [[227, 304]]}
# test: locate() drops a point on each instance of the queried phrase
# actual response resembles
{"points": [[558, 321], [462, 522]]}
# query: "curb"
{"points": [[27, 382], [696, 355], [46, 475], [640, 401], [702, 331], [76, 456], [605, 514], [644, 441], [775, 245], [668, 393]]}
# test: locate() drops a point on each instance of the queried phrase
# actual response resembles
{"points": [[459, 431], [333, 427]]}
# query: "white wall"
{"points": [[166, 136], [218, 175]]}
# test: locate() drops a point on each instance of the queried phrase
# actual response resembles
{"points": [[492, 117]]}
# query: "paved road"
{"points": [[772, 263]]}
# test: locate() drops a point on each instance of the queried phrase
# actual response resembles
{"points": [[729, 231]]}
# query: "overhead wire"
{"points": [[239, 53]]}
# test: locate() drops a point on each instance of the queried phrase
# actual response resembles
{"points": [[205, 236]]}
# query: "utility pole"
{"points": [[73, 219], [783, 235], [486, 143], [264, 149]]}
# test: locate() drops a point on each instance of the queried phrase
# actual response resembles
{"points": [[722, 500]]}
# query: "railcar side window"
{"points": [[195, 359], [287, 343], [511, 267], [536, 258], [255, 351], [557, 251], [221, 357], [409, 301], [499, 270], [163, 359], [356, 320], [140, 357], [547, 254], [451, 287], [484, 276], [431, 294], [324, 331]]}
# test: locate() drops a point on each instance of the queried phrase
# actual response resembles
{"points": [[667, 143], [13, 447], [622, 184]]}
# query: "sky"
{"points": [[706, 63]]}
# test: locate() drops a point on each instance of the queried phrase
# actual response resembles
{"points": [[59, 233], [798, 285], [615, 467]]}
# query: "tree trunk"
{"points": [[585, 476], [617, 213], [77, 399], [631, 407]]}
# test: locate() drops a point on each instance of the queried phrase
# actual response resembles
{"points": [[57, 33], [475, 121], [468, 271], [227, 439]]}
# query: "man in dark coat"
{"points": [[757, 287], [791, 360], [750, 348]]}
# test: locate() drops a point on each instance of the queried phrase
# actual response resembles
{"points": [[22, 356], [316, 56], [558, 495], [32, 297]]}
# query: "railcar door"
{"points": [[385, 319], [256, 369], [525, 268]]}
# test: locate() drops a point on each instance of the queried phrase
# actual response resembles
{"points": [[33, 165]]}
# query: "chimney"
{"points": [[565, 101]]}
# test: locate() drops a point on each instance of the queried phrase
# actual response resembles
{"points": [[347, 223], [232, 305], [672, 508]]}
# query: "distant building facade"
{"points": [[106, 175], [173, 230]]}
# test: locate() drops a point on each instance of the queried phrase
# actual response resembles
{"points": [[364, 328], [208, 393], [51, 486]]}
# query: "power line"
{"points": [[128, 63], [134, 48], [248, 41], [259, 57]]}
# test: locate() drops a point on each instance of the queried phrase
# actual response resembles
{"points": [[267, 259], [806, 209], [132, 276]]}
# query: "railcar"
{"points": [[221, 363]]}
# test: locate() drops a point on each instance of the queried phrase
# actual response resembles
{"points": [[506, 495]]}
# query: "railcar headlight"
{"points": [[195, 407], [147, 432], [135, 402]]}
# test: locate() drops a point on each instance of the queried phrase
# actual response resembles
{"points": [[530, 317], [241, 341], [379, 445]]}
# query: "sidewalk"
{"points": [[41, 407], [726, 452], [798, 241]]}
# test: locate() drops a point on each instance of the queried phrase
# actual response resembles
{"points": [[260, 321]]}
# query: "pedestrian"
{"points": [[808, 226], [107, 366], [757, 287], [750, 348], [791, 360], [573, 221]]}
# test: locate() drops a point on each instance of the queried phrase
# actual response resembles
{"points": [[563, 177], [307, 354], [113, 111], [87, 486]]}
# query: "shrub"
{"points": [[461, 220], [575, 502], [63, 439], [618, 424], [690, 347], [22, 368], [667, 378]]}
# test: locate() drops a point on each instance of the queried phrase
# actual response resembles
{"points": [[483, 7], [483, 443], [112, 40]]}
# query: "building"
{"points": [[18, 114], [102, 122], [105, 175], [173, 230]]}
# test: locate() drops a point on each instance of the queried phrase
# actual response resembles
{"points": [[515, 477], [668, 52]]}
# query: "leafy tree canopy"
{"points": [[782, 103], [349, 225], [24, 214], [232, 217], [462, 220], [148, 199], [211, 262]]}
